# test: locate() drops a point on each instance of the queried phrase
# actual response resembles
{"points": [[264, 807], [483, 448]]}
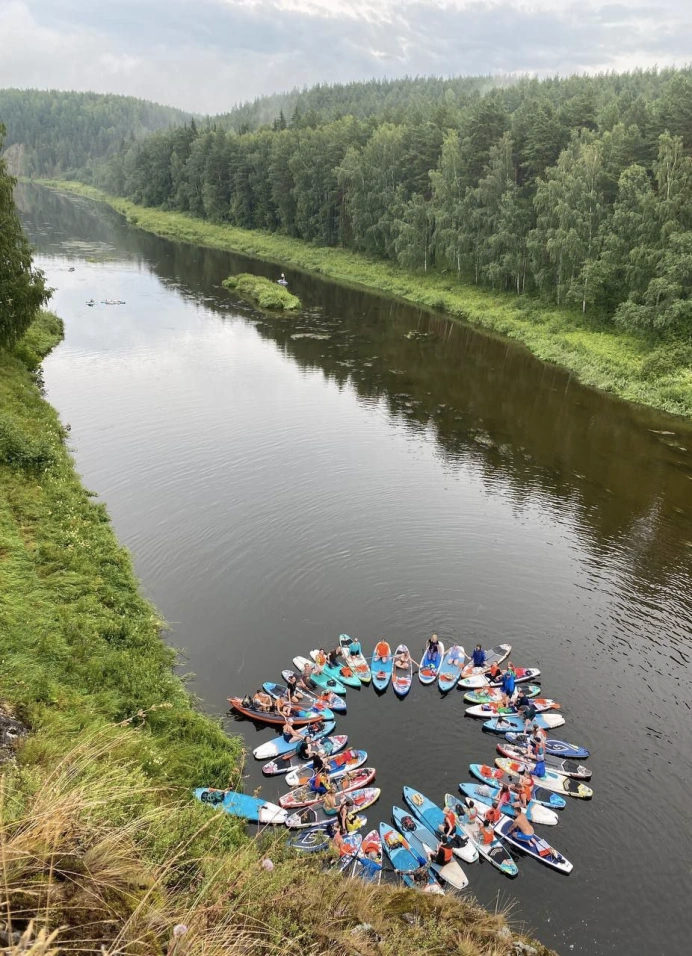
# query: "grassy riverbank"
{"points": [[625, 365], [102, 843]]}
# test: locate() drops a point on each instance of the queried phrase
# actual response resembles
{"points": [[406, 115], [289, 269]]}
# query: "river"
{"points": [[280, 481]]}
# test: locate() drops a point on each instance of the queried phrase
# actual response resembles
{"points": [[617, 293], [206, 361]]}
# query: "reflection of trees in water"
{"points": [[491, 405]]}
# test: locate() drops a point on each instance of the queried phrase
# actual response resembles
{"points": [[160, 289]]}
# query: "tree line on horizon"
{"points": [[578, 189]]}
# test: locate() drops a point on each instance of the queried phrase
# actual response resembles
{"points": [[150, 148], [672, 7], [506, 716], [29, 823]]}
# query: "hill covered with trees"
{"points": [[578, 189], [50, 133]]}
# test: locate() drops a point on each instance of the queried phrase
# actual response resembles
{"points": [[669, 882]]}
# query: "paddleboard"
{"points": [[343, 673], [552, 780], [401, 676], [495, 777], [306, 797], [495, 853], [537, 848], [241, 805], [336, 767], [382, 669], [312, 816], [485, 793], [432, 816], [428, 670], [496, 708], [278, 747], [319, 679], [368, 864], [569, 768], [327, 698], [451, 668], [357, 662], [553, 747], [522, 675], [515, 723], [298, 716], [485, 695], [420, 838], [310, 841]]}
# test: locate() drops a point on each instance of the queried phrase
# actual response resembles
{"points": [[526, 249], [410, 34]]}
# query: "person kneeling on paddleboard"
{"points": [[382, 651], [478, 656], [443, 854], [487, 831], [494, 672], [344, 815], [403, 659], [319, 783], [456, 656]]}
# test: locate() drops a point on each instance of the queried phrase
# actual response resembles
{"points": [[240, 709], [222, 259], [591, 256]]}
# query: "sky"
{"points": [[207, 55]]}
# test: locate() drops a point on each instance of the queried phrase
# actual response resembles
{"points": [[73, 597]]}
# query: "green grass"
{"points": [[614, 362], [263, 292], [103, 847]]}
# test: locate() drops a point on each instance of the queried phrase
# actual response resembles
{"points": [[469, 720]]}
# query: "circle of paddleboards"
{"points": [[382, 666], [336, 767], [299, 717], [278, 747], [535, 846], [485, 695], [495, 853], [356, 661], [551, 780], [312, 816], [319, 678], [402, 676], [340, 672], [522, 675], [429, 665], [451, 668], [498, 709], [286, 764], [556, 748], [515, 723], [423, 843], [327, 698], [305, 796], [432, 817], [484, 793], [241, 805], [569, 768], [495, 776]]}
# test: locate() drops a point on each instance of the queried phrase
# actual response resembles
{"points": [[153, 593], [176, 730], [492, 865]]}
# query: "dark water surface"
{"points": [[280, 482]]}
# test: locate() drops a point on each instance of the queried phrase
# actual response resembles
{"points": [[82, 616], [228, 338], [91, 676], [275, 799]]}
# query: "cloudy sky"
{"points": [[207, 55]]}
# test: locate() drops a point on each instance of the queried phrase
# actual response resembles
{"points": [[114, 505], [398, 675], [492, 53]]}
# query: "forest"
{"points": [[66, 133], [579, 190]]}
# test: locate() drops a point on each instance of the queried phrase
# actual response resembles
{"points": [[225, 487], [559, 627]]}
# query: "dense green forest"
{"points": [[577, 189], [66, 133]]}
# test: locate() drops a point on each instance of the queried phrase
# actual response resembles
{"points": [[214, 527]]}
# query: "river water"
{"points": [[282, 481]]}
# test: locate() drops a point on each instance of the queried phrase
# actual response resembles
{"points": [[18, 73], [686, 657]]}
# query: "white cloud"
{"points": [[206, 55]]}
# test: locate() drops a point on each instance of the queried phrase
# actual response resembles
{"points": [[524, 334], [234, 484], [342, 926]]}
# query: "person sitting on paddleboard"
{"points": [[289, 733], [343, 815], [382, 651], [292, 687], [478, 656], [320, 660], [487, 831], [456, 656], [523, 790], [354, 648], [282, 707], [330, 804], [494, 814], [334, 657], [449, 824], [402, 659], [442, 855], [494, 672], [524, 832], [471, 810], [262, 702], [319, 783]]}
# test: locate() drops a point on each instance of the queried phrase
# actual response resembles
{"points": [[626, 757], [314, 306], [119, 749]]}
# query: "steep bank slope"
{"points": [[622, 364], [101, 841]]}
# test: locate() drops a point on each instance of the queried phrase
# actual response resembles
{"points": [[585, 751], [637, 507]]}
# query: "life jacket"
{"points": [[450, 818], [493, 815], [370, 846], [488, 835], [320, 659], [382, 649], [445, 853]]}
